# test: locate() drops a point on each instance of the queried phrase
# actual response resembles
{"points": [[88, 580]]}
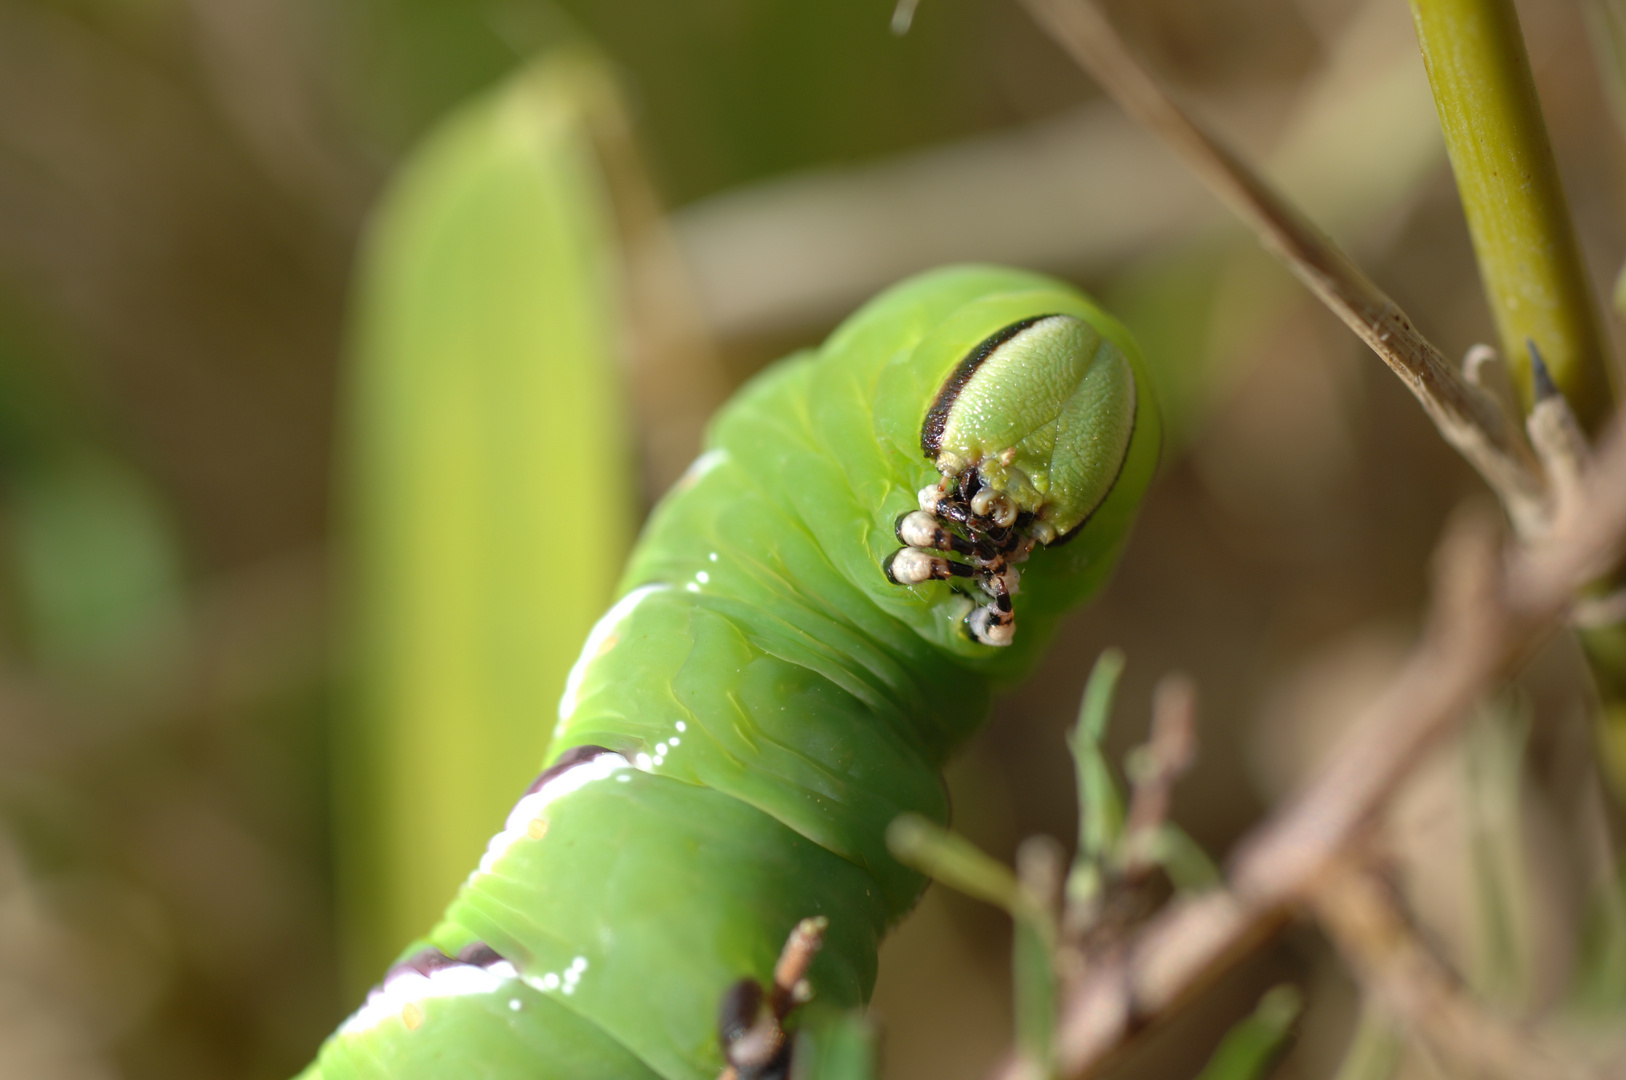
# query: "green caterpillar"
{"points": [[879, 534]]}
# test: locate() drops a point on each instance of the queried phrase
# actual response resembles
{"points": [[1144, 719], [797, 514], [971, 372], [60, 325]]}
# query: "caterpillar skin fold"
{"points": [[880, 533]]}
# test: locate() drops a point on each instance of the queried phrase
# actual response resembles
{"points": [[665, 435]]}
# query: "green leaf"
{"points": [[1034, 975], [98, 572], [1186, 863], [953, 860], [1493, 758], [491, 495], [1100, 804]]}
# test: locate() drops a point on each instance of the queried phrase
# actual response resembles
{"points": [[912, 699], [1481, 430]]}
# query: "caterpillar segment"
{"points": [[778, 682]]}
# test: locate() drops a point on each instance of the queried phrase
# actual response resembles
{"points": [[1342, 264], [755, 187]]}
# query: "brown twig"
{"points": [[674, 378], [1492, 604], [753, 1033], [1366, 920], [1158, 765], [1468, 417], [790, 986]]}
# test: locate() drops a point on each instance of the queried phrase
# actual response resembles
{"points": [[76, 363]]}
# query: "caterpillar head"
{"points": [[1029, 434]]}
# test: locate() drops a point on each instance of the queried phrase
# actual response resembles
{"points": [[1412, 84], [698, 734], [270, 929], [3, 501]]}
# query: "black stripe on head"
{"points": [[568, 760], [931, 432]]}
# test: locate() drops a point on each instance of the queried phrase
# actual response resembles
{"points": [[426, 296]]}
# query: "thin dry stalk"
{"points": [[1492, 605], [1468, 417], [1366, 920], [1159, 764]]}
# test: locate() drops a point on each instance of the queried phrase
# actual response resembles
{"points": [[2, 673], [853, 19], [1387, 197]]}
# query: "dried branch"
{"points": [[1492, 605], [1157, 766], [1366, 920], [752, 1022], [1469, 418]]}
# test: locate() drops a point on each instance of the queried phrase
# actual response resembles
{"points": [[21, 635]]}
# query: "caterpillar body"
{"points": [[880, 533]]}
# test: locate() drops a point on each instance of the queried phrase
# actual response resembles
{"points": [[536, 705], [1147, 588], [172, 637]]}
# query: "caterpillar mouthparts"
{"points": [[967, 517]]}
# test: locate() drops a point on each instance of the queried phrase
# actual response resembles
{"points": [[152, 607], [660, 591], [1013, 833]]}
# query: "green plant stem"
{"points": [[1528, 258], [1517, 216], [1255, 1044], [1100, 805], [951, 859]]}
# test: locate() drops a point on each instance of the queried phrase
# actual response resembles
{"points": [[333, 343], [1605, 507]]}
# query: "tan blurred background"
{"points": [[182, 185]]}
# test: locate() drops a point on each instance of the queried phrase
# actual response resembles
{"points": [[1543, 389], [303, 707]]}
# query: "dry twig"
{"points": [[1365, 919], [1159, 764], [1470, 418], [1492, 605], [752, 1023]]}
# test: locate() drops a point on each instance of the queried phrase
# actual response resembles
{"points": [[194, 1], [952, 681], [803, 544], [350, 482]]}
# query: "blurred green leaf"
{"points": [[1599, 988], [97, 569], [1100, 804], [1606, 28], [1183, 859], [1375, 1049], [1493, 756], [492, 498], [953, 860], [1034, 974], [1251, 1047], [95, 576]]}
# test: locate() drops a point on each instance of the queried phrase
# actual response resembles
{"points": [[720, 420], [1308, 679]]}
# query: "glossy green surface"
{"points": [[1047, 419], [482, 1037], [776, 699], [1528, 254]]}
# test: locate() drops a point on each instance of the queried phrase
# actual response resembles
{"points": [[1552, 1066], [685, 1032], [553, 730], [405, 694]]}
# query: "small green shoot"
{"points": [[1115, 849], [1251, 1047], [1600, 978], [1598, 990], [1039, 866], [950, 858], [1100, 803], [1179, 856], [1493, 756], [953, 860]]}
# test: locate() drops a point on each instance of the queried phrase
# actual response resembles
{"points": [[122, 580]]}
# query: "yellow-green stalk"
{"points": [[1517, 215], [1528, 257]]}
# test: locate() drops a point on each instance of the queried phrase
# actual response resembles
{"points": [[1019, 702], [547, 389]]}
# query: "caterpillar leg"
{"points": [[963, 516], [751, 1021]]}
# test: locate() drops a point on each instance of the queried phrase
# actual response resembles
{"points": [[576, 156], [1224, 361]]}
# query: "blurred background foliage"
{"points": [[183, 188], [488, 493]]}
